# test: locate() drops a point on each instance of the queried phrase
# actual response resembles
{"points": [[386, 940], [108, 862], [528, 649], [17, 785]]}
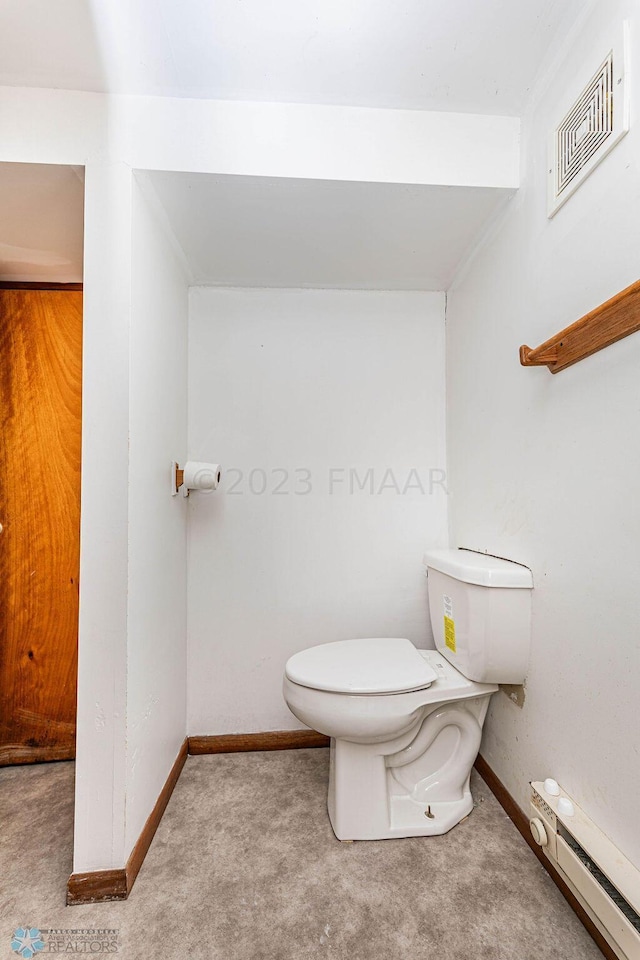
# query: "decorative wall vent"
{"points": [[589, 130]]}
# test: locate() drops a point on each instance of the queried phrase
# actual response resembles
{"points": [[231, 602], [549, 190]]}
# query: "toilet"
{"points": [[405, 724]]}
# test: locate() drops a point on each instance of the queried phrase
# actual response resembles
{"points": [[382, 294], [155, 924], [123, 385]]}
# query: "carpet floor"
{"points": [[244, 866]]}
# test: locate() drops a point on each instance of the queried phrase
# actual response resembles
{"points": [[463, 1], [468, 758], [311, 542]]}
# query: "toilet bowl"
{"points": [[406, 724], [400, 761]]}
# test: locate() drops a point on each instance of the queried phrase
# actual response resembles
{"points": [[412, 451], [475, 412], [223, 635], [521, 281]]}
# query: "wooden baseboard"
{"points": [[100, 885], [521, 821], [274, 740], [143, 843], [97, 886]]}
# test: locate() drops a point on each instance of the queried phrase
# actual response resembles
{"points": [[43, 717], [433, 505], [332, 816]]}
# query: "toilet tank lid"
{"points": [[479, 568], [369, 665]]}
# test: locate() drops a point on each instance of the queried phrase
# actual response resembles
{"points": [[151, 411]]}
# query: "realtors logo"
{"points": [[27, 942]]}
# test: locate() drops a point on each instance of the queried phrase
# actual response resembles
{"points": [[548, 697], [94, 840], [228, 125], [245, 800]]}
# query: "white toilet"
{"points": [[405, 724]]}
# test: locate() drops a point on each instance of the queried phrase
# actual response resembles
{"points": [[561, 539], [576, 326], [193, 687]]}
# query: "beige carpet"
{"points": [[245, 867]]}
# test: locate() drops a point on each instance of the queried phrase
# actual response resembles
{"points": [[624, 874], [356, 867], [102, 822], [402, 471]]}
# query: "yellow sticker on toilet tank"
{"points": [[450, 634]]}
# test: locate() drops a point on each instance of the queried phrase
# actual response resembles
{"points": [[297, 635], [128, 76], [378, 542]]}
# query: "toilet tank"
{"points": [[480, 610]]}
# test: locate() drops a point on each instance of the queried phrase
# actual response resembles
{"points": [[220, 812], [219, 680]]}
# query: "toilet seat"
{"points": [[373, 665]]}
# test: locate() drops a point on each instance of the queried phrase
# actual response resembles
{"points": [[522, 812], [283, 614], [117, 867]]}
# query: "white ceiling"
{"points": [[478, 56], [41, 222], [458, 55], [260, 231]]}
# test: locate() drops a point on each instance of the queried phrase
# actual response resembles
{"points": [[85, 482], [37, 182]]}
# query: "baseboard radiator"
{"points": [[603, 880]]}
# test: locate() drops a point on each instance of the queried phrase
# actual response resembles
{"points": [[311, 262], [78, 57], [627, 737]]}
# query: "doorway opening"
{"points": [[41, 259]]}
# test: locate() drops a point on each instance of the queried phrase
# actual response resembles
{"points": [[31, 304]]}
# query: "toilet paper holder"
{"points": [[195, 475]]}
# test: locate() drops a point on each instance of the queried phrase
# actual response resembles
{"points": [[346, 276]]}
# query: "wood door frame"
{"points": [[38, 285]]}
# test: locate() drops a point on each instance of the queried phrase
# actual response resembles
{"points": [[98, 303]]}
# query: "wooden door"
{"points": [[40, 397]]}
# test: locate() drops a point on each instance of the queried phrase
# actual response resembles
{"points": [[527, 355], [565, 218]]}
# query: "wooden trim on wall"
{"points": [[100, 885], [521, 821], [38, 285], [97, 886], [139, 852], [240, 742]]}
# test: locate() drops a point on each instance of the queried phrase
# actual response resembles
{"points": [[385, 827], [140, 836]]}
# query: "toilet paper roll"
{"points": [[201, 476]]}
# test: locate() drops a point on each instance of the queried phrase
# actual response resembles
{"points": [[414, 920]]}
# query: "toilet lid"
{"points": [[371, 665]]}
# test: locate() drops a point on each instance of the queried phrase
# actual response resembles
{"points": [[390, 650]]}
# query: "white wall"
{"points": [[102, 629], [41, 222], [298, 383], [544, 469], [261, 139], [157, 595]]}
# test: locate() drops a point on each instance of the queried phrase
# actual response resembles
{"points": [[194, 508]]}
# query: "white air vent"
{"points": [[590, 128], [600, 876]]}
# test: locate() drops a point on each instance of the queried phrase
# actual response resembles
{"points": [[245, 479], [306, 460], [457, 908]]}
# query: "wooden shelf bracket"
{"points": [[609, 322]]}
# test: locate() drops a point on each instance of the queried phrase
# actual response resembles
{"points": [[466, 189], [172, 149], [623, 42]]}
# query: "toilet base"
{"points": [[408, 818], [416, 785]]}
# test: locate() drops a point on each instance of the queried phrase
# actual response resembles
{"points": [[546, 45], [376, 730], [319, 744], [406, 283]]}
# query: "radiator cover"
{"points": [[603, 880]]}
